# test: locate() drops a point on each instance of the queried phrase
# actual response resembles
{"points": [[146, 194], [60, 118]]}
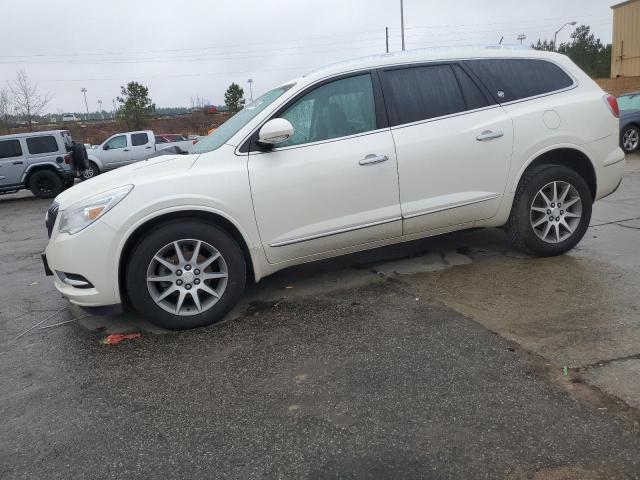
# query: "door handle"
{"points": [[19, 162], [126, 150], [373, 159], [148, 146], [489, 135]]}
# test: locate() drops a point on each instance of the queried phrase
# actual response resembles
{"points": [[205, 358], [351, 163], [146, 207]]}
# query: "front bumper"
{"points": [[88, 254]]}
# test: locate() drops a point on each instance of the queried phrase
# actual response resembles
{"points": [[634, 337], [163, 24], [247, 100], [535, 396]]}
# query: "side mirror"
{"points": [[275, 131], [106, 147]]}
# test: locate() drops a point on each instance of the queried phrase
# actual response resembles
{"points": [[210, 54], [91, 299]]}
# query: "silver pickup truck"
{"points": [[124, 148]]}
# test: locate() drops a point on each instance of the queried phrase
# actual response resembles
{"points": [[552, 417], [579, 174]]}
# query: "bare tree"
{"points": [[26, 100], [199, 120], [5, 108]]}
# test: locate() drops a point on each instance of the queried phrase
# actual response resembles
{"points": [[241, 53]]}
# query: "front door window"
{"points": [[338, 109]]}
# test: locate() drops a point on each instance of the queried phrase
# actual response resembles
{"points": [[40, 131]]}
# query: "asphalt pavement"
{"points": [[448, 358]]}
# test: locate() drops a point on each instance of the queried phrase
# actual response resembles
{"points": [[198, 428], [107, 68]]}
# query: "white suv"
{"points": [[357, 155]]}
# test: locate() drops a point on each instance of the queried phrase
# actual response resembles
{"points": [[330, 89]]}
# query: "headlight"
{"points": [[83, 214]]}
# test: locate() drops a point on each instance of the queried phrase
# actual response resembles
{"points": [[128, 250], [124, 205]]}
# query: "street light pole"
{"points": [[250, 81], [402, 21], [555, 35], [100, 109], [84, 91], [113, 114]]}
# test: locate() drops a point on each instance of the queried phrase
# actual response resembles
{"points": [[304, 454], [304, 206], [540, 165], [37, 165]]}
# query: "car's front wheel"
{"points": [[630, 139], [185, 274], [551, 211]]}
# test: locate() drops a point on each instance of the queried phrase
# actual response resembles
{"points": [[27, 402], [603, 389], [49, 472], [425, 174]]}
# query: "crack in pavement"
{"points": [[602, 363], [614, 221]]}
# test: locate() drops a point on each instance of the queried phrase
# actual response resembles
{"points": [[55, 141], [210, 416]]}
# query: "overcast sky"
{"points": [[182, 49]]}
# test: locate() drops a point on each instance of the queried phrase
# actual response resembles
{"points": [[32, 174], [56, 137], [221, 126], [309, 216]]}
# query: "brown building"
{"points": [[625, 56]]}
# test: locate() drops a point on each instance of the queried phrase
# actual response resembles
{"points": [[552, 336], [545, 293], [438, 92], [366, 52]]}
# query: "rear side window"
{"points": [[421, 93], [160, 140], [515, 79], [10, 148], [44, 144], [138, 139]]}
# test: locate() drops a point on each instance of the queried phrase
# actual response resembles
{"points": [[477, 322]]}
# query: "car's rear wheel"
{"points": [[90, 172], [185, 274], [551, 211], [630, 139], [45, 184]]}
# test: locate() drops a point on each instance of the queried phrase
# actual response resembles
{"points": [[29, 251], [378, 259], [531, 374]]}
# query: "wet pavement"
{"points": [[441, 358]]}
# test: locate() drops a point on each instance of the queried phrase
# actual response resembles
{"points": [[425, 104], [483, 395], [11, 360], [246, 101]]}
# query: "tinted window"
{"points": [[337, 109], [10, 148], [138, 139], [45, 144], [519, 78], [420, 93], [473, 96], [116, 142], [160, 139]]}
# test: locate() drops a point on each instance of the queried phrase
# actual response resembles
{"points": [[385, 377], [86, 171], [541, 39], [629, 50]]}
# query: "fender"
{"points": [[255, 251], [51, 165], [558, 146], [95, 159]]}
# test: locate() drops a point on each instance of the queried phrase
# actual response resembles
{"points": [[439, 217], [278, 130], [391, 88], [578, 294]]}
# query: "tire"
{"points": [[90, 172], [45, 184], [630, 139], [149, 297], [531, 213]]}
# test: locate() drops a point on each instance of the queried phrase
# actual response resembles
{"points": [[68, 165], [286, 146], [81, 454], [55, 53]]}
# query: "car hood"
{"points": [[146, 170]]}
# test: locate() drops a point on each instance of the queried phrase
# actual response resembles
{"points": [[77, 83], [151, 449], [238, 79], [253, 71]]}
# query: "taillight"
{"points": [[613, 105], [68, 159], [195, 140]]}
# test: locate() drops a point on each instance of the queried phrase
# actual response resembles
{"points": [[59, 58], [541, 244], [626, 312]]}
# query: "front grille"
{"points": [[50, 219]]}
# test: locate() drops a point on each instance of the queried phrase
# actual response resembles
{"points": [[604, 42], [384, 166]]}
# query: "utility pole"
{"points": [[402, 21], [521, 37], [386, 36], [84, 91], [100, 109], [113, 114]]}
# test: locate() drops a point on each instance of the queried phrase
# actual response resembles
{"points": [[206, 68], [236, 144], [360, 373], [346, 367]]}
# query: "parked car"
{"points": [[38, 161], [124, 148], [354, 156], [630, 121], [177, 139], [69, 117]]}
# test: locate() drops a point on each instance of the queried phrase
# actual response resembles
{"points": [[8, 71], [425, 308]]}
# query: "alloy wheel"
{"points": [[631, 140], [45, 185], [187, 277], [556, 212], [88, 173]]}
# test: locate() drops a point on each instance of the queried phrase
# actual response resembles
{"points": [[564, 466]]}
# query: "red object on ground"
{"points": [[116, 338]]}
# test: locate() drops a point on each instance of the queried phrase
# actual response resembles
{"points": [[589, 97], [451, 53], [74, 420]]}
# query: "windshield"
{"points": [[232, 126], [629, 102]]}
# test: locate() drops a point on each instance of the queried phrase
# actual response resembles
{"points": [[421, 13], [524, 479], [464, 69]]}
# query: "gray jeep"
{"points": [[38, 161]]}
